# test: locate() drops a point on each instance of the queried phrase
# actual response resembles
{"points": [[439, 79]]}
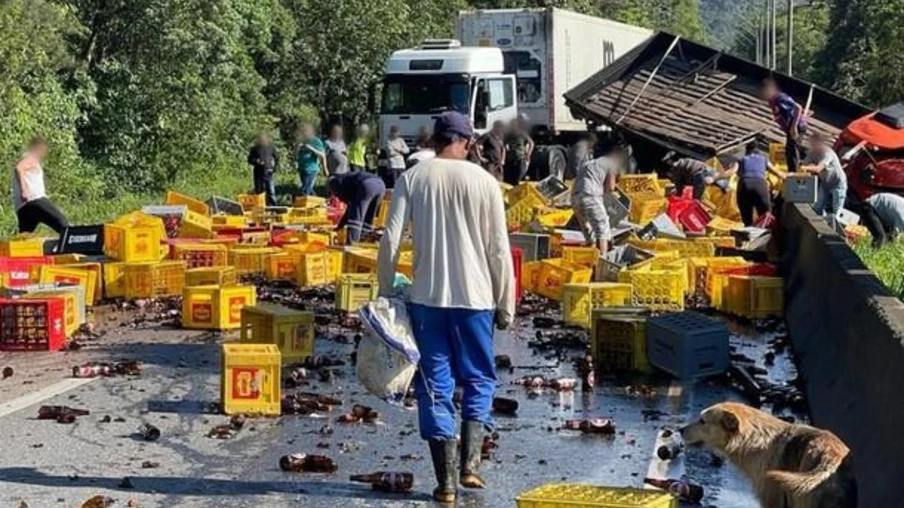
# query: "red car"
{"points": [[872, 150]]}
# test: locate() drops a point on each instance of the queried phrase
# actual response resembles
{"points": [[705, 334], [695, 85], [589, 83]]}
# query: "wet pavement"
{"points": [[48, 464]]}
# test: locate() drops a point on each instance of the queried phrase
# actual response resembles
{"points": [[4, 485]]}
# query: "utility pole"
{"points": [[774, 37], [765, 62], [790, 37]]}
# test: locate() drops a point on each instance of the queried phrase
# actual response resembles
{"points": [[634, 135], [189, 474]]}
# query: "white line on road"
{"points": [[659, 469], [53, 390]]}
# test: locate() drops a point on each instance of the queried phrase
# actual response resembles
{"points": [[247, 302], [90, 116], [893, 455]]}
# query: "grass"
{"points": [[887, 263], [98, 211]]}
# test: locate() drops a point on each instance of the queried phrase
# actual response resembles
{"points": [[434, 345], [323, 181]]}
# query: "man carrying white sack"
{"points": [[463, 284]]}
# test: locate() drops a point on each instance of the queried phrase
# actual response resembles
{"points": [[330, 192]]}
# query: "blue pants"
{"points": [[456, 347], [830, 200], [263, 183], [307, 183], [363, 208]]}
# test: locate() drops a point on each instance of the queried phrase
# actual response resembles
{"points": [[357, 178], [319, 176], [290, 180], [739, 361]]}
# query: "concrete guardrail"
{"points": [[848, 332]]}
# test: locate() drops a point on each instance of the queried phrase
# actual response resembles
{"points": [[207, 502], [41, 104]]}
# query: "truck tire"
{"points": [[548, 160]]}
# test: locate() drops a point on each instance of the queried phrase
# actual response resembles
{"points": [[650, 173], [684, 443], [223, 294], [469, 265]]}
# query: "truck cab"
{"points": [[441, 75]]}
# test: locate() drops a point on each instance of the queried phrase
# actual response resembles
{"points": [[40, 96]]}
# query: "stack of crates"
{"points": [[579, 300], [309, 202], [134, 237], [154, 280], [196, 225], [698, 271], [290, 330], [22, 246], [554, 274], [98, 269], [283, 265], [220, 222], [687, 345], [754, 297], [114, 280], [216, 307], [87, 279], [213, 276], [618, 339], [523, 206], [589, 496], [32, 325], [251, 379], [251, 260], [307, 216], [717, 280], [353, 291], [200, 255], [16, 272], [251, 202]]}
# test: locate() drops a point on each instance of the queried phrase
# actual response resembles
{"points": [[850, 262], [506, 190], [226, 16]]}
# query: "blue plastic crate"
{"points": [[687, 345]]}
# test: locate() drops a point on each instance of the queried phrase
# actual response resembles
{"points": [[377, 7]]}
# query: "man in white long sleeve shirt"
{"points": [[463, 284]]}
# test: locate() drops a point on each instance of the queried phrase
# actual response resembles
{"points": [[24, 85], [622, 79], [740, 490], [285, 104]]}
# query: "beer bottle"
{"points": [[55, 412], [505, 406], [673, 447], [592, 426], [90, 370], [299, 462], [489, 444], [531, 382], [149, 432], [365, 413], [386, 481], [562, 385], [685, 491]]}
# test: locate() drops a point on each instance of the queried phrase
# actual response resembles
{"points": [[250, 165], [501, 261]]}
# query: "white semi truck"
{"points": [[505, 63]]}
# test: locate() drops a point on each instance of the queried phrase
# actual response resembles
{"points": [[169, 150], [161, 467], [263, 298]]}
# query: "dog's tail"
{"points": [[801, 484]]}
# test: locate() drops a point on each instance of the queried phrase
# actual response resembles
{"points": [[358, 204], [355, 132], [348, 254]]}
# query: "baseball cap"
{"points": [[452, 123]]}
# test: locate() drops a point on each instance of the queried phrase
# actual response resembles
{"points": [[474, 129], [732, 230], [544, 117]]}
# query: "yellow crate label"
{"points": [[202, 312], [235, 308], [246, 383]]}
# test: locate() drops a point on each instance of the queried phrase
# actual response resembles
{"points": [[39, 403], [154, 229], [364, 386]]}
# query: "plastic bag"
{"points": [[387, 355]]}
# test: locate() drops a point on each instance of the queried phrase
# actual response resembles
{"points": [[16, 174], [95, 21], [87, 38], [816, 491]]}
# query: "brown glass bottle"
{"points": [[299, 462], [386, 481], [685, 491], [592, 426]]}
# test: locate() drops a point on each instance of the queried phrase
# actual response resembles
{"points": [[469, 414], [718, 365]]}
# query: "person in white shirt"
{"points": [[595, 178], [396, 150], [463, 284], [883, 215], [29, 195]]}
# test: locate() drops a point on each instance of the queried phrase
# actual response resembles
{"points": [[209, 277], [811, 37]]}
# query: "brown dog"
{"points": [[791, 466]]}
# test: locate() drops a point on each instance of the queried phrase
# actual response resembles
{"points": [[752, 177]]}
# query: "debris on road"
{"points": [[302, 463], [149, 432], [7, 373], [685, 491], [102, 369], [62, 414], [505, 406], [604, 426], [392, 482], [98, 502], [673, 448]]}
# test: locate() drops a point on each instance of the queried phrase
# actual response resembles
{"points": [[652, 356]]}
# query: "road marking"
{"points": [[660, 469], [53, 390], [675, 390]]}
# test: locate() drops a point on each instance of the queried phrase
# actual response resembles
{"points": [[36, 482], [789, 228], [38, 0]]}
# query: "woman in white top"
{"points": [[29, 194]]}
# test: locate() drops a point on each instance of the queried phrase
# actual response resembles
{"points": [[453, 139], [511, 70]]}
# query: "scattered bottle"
{"points": [[531, 382], [302, 463], [505, 406], [149, 432], [603, 426], [387, 481], [90, 370], [562, 385], [62, 414], [7, 372], [685, 491], [360, 413], [503, 362], [586, 371], [673, 447], [489, 444]]}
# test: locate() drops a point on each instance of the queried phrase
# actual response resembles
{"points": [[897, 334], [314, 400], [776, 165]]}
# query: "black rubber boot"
{"points": [[471, 449], [445, 460]]}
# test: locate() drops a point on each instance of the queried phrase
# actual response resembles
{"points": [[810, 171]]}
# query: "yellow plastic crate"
{"points": [[523, 190], [22, 246], [699, 247], [618, 339], [313, 270], [382, 214], [227, 221], [114, 280], [196, 225], [87, 279], [98, 292], [640, 184], [360, 261], [353, 291], [554, 274], [776, 152], [250, 380], [698, 270], [307, 216], [754, 297], [211, 276], [335, 259], [283, 266], [523, 211], [252, 201], [176, 198], [308, 202], [552, 218], [251, 260], [216, 307], [656, 289], [579, 300], [152, 280], [200, 255], [74, 313], [134, 237], [645, 207], [589, 496], [292, 331], [530, 275], [584, 256], [723, 226]]}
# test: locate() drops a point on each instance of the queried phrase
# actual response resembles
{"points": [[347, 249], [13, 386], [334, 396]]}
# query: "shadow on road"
{"points": [[181, 486]]}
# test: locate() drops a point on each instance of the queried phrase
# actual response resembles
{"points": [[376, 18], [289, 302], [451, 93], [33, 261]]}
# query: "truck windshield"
{"points": [[425, 94]]}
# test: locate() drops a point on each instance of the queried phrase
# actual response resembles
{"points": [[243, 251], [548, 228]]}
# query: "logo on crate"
{"points": [[57, 325], [300, 340], [285, 269], [246, 383], [202, 312], [235, 308], [19, 276], [65, 279], [142, 244]]}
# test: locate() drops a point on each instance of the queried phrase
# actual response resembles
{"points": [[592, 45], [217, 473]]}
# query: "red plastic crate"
{"points": [[517, 261], [14, 272], [677, 205], [694, 218], [32, 325], [757, 270]]}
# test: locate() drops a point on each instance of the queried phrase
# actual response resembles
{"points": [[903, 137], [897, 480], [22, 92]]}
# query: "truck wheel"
{"points": [[548, 160]]}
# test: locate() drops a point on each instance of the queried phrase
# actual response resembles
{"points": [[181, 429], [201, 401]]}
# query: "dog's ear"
{"points": [[729, 421]]}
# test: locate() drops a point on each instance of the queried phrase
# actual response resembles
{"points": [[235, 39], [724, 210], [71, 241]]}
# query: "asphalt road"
{"points": [[47, 464]]}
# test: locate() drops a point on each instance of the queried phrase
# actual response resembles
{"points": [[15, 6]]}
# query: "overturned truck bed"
{"points": [[697, 100]]}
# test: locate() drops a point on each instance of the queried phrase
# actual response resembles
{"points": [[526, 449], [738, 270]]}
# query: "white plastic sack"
{"points": [[387, 354]]}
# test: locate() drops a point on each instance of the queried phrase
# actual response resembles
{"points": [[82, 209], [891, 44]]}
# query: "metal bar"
{"points": [[649, 79], [790, 37]]}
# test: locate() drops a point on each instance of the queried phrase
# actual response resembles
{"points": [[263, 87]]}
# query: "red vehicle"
{"points": [[872, 150]]}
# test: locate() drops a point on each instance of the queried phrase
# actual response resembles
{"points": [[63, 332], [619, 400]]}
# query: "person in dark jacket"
{"points": [[791, 119], [264, 159], [753, 188], [362, 192], [691, 172]]}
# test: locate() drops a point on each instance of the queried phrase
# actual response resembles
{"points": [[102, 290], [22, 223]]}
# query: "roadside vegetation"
{"points": [[887, 263]]}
